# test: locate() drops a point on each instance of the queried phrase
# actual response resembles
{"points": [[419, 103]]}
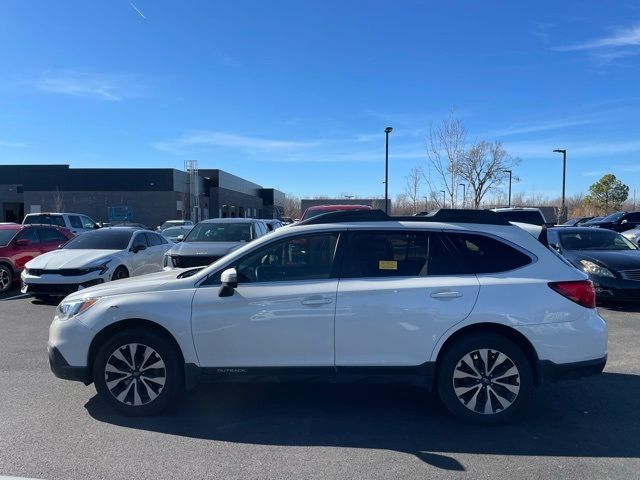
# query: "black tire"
{"points": [[120, 273], [6, 278], [136, 391], [484, 399]]}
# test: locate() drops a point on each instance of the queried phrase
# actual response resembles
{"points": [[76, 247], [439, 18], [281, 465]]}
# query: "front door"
{"points": [[280, 315], [399, 292]]}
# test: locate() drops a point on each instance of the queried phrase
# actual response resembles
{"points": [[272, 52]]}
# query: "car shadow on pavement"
{"points": [[594, 417]]}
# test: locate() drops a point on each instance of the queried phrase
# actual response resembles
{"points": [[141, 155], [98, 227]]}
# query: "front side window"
{"points": [[482, 254], [29, 234], [298, 258], [153, 239], [140, 240], [87, 222], [107, 239], [220, 232], [398, 254]]}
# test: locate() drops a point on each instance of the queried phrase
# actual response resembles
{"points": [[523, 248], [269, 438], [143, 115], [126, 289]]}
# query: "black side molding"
{"points": [[61, 368], [553, 372]]}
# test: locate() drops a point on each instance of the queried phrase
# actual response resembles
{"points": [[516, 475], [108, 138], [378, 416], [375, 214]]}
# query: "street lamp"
{"points": [[444, 201], [464, 192], [509, 172], [564, 174], [387, 131]]}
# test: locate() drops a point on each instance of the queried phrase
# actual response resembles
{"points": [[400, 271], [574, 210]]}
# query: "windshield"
{"points": [[44, 220], [6, 236], [595, 239], [523, 216], [175, 231], [614, 217], [101, 240], [220, 232]]}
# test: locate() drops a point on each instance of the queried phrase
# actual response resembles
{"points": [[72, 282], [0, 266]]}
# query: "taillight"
{"points": [[579, 291]]}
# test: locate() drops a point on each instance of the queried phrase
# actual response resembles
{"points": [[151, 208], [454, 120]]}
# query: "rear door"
{"points": [[75, 223], [50, 239], [399, 291], [29, 247]]}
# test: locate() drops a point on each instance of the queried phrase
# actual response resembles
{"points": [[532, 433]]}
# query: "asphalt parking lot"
{"points": [[54, 429]]}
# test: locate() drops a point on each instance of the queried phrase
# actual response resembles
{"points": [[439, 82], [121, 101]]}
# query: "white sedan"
{"points": [[94, 258]]}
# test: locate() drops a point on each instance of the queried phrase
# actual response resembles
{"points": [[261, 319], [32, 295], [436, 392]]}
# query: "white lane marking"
{"points": [[22, 295], [2, 477]]}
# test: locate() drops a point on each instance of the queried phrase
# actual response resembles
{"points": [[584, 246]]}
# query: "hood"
{"points": [[69, 258], [613, 260], [204, 249], [143, 283]]}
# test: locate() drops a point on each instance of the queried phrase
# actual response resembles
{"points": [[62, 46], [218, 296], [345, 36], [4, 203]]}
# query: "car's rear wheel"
{"points": [[6, 278], [484, 379], [120, 273], [138, 372]]}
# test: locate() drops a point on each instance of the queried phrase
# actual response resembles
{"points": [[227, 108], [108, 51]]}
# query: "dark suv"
{"points": [[618, 221], [21, 243]]}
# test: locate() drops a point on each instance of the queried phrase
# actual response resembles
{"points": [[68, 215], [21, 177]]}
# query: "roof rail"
{"points": [[445, 215]]}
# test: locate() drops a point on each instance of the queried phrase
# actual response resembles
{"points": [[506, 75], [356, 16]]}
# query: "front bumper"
{"points": [[553, 372], [608, 288], [61, 368], [59, 285]]}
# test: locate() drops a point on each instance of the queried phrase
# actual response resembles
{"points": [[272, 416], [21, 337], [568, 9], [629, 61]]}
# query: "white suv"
{"points": [[460, 302], [75, 222]]}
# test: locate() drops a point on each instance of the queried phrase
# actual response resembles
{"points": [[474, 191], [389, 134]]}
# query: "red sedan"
{"points": [[21, 243]]}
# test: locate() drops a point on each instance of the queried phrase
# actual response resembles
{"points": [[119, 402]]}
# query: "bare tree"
{"points": [[58, 201], [413, 182], [484, 168], [445, 150], [292, 206]]}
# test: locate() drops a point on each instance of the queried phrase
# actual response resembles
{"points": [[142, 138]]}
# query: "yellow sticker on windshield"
{"points": [[387, 265]]}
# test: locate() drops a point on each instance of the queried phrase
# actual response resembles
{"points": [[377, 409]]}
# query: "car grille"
{"points": [[65, 272], [632, 274], [189, 262]]}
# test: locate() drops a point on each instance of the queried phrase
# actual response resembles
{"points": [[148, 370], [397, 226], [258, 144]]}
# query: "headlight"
{"points": [[73, 308], [595, 269], [101, 268]]}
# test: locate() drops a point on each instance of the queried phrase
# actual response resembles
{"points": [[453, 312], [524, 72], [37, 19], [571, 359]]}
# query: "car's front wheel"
{"points": [[6, 278], [138, 372], [484, 379]]}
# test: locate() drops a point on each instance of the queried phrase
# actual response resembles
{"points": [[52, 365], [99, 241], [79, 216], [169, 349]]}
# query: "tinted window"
{"points": [[299, 258], [87, 222], [262, 228], [220, 232], [614, 217], [153, 239], [75, 221], [482, 254], [104, 239], [29, 234], [6, 236], [633, 217], [523, 216], [397, 254], [45, 220], [140, 239], [51, 235]]}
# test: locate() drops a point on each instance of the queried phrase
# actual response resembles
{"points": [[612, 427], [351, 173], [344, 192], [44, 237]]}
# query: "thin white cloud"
{"points": [[593, 173], [4, 143], [108, 87], [575, 148], [542, 126], [623, 37]]}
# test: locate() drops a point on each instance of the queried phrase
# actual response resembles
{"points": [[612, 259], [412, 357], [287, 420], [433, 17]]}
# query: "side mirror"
{"points": [[96, 226], [138, 248], [229, 280], [180, 238], [23, 242], [624, 221]]}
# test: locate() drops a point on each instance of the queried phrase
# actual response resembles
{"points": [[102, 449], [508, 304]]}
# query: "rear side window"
{"points": [[482, 254], [48, 235], [398, 254], [75, 221]]}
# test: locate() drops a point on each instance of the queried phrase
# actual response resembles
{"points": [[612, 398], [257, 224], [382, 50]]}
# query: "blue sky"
{"points": [[296, 94]]}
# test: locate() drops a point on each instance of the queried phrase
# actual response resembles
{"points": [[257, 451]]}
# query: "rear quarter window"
{"points": [[482, 254]]}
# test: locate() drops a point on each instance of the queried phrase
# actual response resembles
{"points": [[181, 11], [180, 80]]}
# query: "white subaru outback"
{"points": [[461, 302]]}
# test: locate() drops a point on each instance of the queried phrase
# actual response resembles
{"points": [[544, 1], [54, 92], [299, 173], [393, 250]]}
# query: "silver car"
{"points": [[211, 239]]}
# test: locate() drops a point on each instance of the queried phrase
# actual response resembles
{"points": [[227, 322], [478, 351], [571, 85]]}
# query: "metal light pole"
{"points": [[444, 201], [464, 193], [509, 172], [387, 131], [564, 174]]}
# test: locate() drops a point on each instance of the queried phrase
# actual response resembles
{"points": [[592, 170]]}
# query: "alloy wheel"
{"points": [[5, 280], [135, 374], [486, 381]]}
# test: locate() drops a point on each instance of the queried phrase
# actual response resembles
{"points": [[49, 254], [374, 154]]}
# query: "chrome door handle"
{"points": [[447, 294], [312, 301]]}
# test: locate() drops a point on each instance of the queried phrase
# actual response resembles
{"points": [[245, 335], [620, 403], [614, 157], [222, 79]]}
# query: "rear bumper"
{"points": [[552, 372], [61, 368]]}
